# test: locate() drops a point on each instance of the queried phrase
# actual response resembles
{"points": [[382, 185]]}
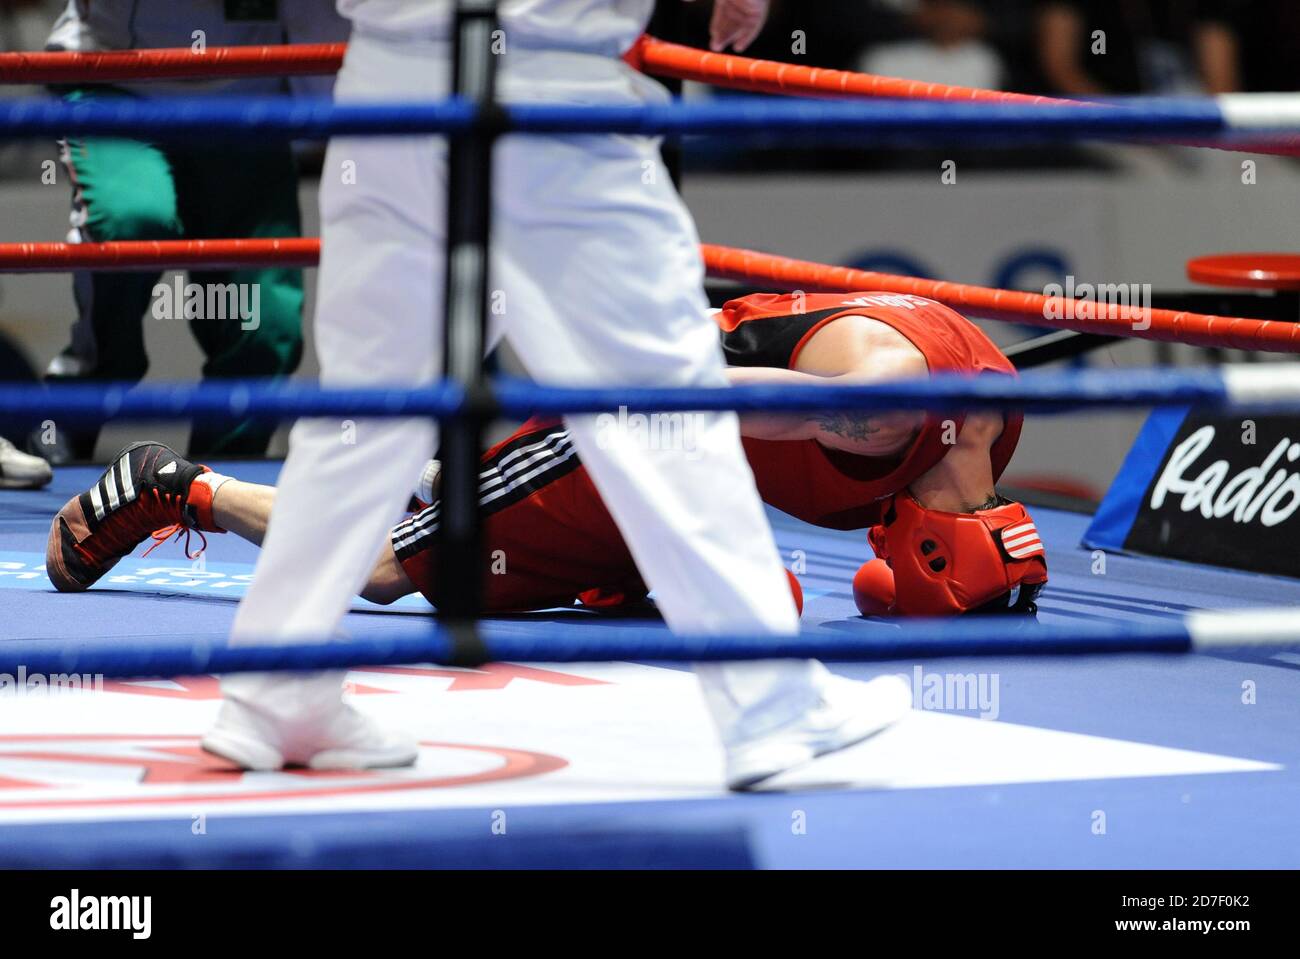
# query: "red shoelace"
{"points": [[161, 536], [121, 532]]}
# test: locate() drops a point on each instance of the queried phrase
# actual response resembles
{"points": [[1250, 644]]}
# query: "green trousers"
{"points": [[134, 190]]}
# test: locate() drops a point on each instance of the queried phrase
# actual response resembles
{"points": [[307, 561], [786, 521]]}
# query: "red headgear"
{"points": [[947, 563]]}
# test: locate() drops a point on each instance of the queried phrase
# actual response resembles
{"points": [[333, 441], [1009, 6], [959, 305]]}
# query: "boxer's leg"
{"points": [[548, 535], [388, 581], [243, 509]]}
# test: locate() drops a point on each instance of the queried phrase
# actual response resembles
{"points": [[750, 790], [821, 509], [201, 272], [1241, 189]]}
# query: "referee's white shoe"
{"points": [[342, 739], [849, 712]]}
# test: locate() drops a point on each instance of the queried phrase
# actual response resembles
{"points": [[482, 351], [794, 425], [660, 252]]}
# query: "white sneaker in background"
{"points": [[19, 470]]}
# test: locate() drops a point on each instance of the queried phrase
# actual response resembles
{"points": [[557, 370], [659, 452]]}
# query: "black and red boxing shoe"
{"points": [[148, 492]]}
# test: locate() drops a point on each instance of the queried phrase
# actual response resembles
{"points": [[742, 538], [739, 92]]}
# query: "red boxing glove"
{"points": [[795, 590], [873, 588]]}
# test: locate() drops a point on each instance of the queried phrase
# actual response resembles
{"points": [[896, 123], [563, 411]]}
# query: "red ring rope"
{"points": [[137, 255], [180, 63], [665, 59], [1194, 329], [648, 54]]}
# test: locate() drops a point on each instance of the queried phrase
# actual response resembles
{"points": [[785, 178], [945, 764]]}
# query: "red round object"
{"points": [[1259, 271], [873, 588], [796, 591]]}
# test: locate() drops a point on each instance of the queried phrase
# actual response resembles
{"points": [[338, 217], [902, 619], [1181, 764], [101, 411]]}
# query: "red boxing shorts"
{"points": [[549, 540]]}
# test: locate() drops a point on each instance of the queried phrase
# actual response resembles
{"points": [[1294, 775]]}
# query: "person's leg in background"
{"points": [[243, 193], [344, 482], [122, 190], [602, 280]]}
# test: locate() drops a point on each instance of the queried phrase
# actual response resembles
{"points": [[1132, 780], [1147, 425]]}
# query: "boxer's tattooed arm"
{"points": [[877, 434], [881, 433], [853, 426]]}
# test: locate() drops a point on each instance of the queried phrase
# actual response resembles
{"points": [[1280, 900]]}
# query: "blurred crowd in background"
{"points": [[1077, 48], [1071, 48], [1065, 47]]}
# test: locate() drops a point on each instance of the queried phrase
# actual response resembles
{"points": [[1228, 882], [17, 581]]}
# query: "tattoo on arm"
{"points": [[854, 426]]}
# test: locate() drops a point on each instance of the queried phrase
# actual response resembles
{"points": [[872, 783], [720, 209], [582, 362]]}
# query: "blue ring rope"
{"points": [[318, 117], [900, 640], [1038, 391]]}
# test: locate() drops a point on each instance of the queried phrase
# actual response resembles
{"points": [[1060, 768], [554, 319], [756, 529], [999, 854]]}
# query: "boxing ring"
{"points": [[1146, 720]]}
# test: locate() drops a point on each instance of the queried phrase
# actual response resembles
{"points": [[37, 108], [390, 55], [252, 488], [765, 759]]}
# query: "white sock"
{"points": [[213, 480]]}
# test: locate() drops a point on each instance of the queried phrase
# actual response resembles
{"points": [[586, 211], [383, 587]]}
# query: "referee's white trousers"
{"points": [[597, 279]]}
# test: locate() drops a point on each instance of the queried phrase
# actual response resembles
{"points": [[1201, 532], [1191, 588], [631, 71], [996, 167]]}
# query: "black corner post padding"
{"points": [[469, 214], [468, 649]]}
